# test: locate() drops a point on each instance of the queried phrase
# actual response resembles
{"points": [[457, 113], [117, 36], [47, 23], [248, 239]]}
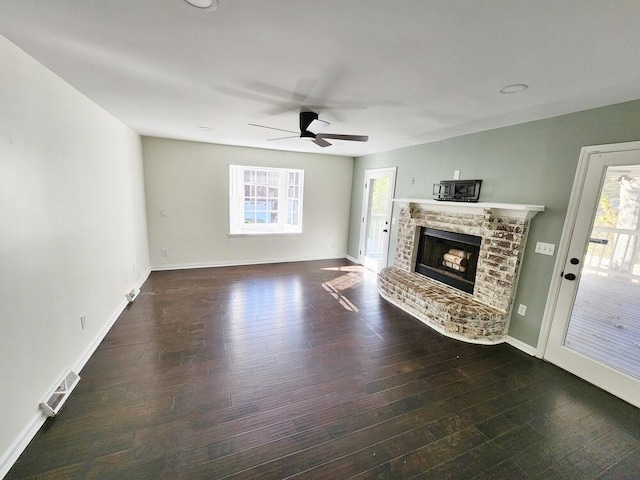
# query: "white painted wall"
{"points": [[190, 182], [72, 226]]}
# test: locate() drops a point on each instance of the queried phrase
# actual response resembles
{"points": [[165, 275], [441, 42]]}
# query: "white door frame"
{"points": [[368, 175], [567, 232]]}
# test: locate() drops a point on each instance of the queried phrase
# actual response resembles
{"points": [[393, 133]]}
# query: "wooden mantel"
{"points": [[509, 210]]}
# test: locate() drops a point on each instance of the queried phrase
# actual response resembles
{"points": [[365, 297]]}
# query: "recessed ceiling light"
{"points": [[203, 4], [204, 128], [515, 88]]}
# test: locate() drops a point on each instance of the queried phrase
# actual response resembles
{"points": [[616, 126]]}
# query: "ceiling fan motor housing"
{"points": [[305, 120]]}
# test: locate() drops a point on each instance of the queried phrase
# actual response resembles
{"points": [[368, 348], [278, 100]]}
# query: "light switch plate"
{"points": [[522, 310], [545, 248]]}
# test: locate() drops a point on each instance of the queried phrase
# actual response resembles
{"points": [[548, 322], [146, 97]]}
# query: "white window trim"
{"points": [[238, 228]]}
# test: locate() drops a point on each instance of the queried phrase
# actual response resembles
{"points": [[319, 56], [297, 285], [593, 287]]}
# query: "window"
{"points": [[265, 200]]}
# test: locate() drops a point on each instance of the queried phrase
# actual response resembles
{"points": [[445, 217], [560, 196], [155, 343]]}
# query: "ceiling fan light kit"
{"points": [[306, 119], [311, 129]]}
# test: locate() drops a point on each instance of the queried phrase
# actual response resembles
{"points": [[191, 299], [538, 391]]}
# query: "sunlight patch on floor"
{"points": [[342, 300]]}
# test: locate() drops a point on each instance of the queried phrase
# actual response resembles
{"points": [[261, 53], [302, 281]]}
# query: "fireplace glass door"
{"points": [[448, 257]]}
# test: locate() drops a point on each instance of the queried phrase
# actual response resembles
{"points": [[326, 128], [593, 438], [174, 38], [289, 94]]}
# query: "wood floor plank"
{"points": [[301, 370]]}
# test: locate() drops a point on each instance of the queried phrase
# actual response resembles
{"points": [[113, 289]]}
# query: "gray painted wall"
{"points": [[532, 163]]}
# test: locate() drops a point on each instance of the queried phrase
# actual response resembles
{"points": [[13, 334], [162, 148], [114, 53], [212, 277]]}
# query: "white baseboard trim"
{"points": [[351, 259], [187, 266], [96, 341], [103, 333], [10, 456], [520, 345]]}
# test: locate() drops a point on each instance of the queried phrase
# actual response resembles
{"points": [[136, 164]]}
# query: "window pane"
{"points": [[265, 206]]}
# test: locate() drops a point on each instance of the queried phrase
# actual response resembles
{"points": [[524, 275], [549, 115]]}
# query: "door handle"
{"points": [[385, 230], [570, 276], [600, 241]]}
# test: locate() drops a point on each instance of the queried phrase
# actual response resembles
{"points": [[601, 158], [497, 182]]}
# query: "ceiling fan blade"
{"points": [[273, 128], [316, 126], [337, 136], [282, 138], [247, 95], [321, 142]]}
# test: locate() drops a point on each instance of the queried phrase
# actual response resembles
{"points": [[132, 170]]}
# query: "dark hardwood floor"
{"points": [[301, 370]]}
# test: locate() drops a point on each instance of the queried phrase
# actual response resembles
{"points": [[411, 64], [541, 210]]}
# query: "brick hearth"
{"points": [[481, 317]]}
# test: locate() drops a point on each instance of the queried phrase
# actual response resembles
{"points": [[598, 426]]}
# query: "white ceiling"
{"points": [[401, 71]]}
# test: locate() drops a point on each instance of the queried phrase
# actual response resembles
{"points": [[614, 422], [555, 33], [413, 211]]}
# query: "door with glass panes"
{"points": [[595, 329]]}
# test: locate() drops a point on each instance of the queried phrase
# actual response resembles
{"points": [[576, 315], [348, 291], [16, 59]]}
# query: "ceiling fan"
{"points": [[311, 128]]}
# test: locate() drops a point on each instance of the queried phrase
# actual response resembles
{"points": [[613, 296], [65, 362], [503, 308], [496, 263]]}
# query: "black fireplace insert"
{"points": [[448, 257]]}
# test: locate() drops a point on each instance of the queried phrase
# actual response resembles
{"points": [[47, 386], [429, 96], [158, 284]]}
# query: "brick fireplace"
{"points": [[479, 315]]}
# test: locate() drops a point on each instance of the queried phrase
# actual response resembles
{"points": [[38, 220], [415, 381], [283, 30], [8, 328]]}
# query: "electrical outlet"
{"points": [[545, 248], [164, 252], [456, 174], [522, 310], [83, 321]]}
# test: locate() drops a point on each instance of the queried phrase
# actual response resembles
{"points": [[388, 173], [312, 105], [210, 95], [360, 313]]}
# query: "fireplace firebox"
{"points": [[448, 257]]}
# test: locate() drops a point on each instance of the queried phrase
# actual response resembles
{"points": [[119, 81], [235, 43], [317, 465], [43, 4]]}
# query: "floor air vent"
{"points": [[132, 295], [54, 402]]}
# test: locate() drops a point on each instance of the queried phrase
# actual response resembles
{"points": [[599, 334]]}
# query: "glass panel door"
{"points": [[378, 196], [605, 321], [595, 330]]}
